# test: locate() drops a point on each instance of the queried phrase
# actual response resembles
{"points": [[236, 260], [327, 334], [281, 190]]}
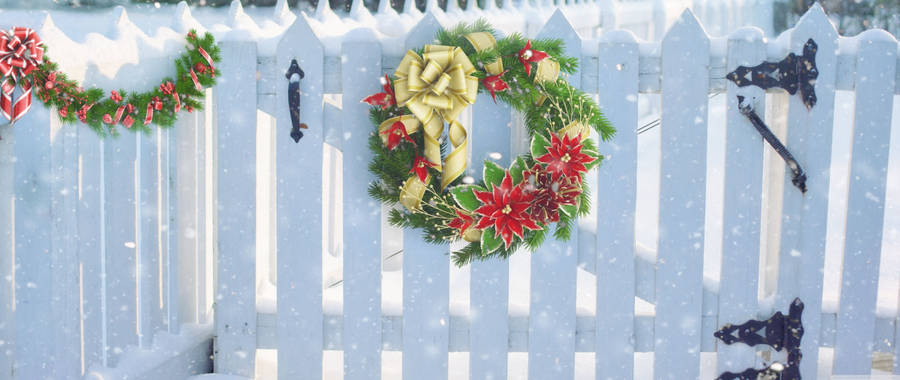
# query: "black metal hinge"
{"points": [[779, 332], [792, 73]]}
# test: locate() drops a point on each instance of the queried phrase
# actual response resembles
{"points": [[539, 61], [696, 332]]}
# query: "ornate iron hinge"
{"points": [[791, 73], [798, 177], [294, 75], [781, 333]]}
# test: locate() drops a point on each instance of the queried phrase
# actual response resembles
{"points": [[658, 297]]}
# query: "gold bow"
{"points": [[436, 88]]}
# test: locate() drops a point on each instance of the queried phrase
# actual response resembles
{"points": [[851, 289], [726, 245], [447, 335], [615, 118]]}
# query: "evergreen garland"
{"points": [[562, 104]]}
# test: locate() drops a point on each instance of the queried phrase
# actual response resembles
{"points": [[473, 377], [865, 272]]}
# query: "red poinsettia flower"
{"points": [[549, 194], [527, 55], [396, 134], [383, 99], [420, 167], [462, 222], [564, 157], [505, 208], [495, 83]]}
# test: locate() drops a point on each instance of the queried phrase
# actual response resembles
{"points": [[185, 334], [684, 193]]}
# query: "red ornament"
{"points": [[169, 89], [505, 208], [383, 99], [191, 35], [63, 112], [114, 95], [51, 81], [527, 56], [82, 113], [495, 83], [462, 222], [564, 157], [397, 134], [420, 167]]}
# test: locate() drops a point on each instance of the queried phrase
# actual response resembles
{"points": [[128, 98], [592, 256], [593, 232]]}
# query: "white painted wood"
{"points": [[803, 216], [742, 197], [63, 235], [299, 200], [90, 244], [551, 326], [615, 192], [7, 260], [120, 163], [186, 261], [33, 260], [682, 192], [426, 280], [489, 280], [235, 349], [875, 81], [149, 250], [361, 74]]}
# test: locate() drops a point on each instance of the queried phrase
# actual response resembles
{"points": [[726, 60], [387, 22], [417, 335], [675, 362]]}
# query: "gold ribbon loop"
{"points": [[410, 123], [412, 191], [547, 71], [576, 128], [482, 41]]}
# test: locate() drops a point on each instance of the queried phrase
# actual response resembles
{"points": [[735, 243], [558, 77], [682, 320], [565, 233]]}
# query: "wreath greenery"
{"points": [[195, 69], [509, 207]]}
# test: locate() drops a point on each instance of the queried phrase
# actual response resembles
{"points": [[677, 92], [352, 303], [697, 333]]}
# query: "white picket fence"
{"points": [[120, 249]]}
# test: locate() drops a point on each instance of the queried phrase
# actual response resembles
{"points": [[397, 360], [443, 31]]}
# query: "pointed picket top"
{"points": [[453, 6], [471, 5], [47, 24], [813, 22], [301, 34], [433, 6], [490, 5], [409, 7], [683, 30], [282, 13], [423, 33], [384, 7], [237, 19], [121, 23], [321, 8], [558, 26], [184, 20], [360, 13], [506, 4]]}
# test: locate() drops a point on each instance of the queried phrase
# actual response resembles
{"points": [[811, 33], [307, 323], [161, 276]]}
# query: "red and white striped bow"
{"points": [[21, 51]]}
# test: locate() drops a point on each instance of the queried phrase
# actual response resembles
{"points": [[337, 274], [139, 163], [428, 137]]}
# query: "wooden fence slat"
{"points": [[682, 200], [185, 261], [875, 81], [149, 251], [236, 174], [120, 162], [551, 325], [489, 280], [63, 235], [741, 219], [426, 281], [804, 216], [361, 60], [299, 209], [90, 244], [615, 192], [7, 264], [33, 276]]}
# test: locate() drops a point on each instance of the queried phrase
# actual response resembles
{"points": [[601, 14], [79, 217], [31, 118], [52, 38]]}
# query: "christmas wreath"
{"points": [[24, 65], [508, 207]]}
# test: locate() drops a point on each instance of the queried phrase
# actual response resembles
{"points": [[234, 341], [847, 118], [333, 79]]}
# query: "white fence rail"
{"points": [[114, 244]]}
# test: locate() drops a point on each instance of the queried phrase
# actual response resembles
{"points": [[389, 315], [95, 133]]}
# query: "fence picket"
{"points": [[185, 261], [489, 280], [682, 200], [361, 69], [7, 264], [299, 209], [741, 219], [149, 252], [615, 192], [551, 325], [33, 261], [120, 164], [90, 245], [804, 216], [236, 159], [875, 81], [426, 280]]}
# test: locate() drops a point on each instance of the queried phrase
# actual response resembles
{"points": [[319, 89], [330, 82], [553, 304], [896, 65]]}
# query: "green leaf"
{"points": [[465, 197], [489, 242], [539, 145], [595, 163], [493, 173], [515, 171], [569, 210]]}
